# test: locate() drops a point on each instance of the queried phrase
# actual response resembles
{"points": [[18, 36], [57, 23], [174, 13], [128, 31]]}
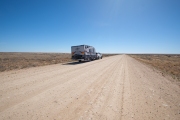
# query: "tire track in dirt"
{"points": [[41, 70], [96, 111], [40, 86], [58, 70], [43, 78], [127, 110], [53, 85], [122, 98], [94, 94]]}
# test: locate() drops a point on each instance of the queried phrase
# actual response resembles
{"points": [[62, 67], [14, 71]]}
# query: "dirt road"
{"points": [[114, 88]]}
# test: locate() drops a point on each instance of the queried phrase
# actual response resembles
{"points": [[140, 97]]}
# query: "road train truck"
{"points": [[83, 53]]}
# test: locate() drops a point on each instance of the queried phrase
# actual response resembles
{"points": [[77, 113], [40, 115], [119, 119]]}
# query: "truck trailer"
{"points": [[83, 53]]}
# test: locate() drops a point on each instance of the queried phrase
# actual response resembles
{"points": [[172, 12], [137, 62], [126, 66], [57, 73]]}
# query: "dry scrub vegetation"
{"points": [[10, 61], [169, 64], [15, 60]]}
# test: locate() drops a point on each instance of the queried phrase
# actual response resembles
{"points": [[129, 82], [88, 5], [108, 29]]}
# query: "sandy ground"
{"points": [[114, 88]]}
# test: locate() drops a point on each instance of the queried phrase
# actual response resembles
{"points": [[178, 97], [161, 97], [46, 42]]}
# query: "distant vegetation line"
{"points": [[167, 63], [20, 60]]}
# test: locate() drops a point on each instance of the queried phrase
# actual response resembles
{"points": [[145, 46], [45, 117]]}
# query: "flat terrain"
{"points": [[168, 64], [114, 88], [21, 60], [15, 60]]}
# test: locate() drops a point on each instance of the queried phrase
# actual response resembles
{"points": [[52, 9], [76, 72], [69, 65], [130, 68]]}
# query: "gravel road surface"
{"points": [[113, 88]]}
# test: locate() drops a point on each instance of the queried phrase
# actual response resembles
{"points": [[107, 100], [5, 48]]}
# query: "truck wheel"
{"points": [[88, 59], [79, 60]]}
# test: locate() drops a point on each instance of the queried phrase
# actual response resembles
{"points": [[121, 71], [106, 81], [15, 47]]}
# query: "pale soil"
{"points": [[114, 88]]}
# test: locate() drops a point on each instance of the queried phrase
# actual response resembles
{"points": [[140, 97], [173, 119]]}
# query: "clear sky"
{"points": [[111, 26]]}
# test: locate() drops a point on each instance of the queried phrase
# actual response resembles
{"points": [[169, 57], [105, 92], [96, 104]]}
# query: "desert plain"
{"points": [[119, 87]]}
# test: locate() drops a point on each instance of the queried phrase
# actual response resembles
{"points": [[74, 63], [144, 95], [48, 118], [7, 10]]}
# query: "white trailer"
{"points": [[83, 52]]}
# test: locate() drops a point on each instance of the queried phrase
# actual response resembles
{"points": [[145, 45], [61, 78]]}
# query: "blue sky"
{"points": [[111, 26]]}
